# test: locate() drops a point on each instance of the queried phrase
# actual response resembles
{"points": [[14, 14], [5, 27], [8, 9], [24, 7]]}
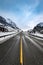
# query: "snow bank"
{"points": [[37, 34], [6, 33], [3, 39]]}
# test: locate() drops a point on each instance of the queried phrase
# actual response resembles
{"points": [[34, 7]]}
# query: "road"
{"points": [[22, 50]]}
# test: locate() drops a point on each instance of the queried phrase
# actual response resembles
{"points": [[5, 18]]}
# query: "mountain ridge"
{"points": [[11, 23], [38, 28]]}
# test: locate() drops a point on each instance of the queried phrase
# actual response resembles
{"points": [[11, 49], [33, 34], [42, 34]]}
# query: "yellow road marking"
{"points": [[21, 52]]}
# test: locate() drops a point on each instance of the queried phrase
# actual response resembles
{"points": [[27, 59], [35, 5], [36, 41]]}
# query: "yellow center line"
{"points": [[21, 51]]}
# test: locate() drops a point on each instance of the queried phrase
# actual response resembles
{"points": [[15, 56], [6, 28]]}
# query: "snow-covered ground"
{"points": [[37, 34], [9, 28], [3, 39], [6, 33]]}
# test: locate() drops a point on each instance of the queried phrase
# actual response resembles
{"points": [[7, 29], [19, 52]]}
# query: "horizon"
{"points": [[25, 13]]}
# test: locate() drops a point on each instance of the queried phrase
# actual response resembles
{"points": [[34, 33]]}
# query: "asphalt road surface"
{"points": [[22, 50]]}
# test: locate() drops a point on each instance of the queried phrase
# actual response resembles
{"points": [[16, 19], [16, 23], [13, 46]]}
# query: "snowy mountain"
{"points": [[38, 28], [40, 24], [8, 24], [3, 20], [11, 23]]}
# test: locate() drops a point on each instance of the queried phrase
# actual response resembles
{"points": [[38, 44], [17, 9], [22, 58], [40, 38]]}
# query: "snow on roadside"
{"points": [[6, 33], [37, 34], [3, 39]]}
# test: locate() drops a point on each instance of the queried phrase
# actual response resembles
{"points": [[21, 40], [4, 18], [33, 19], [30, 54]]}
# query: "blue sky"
{"points": [[25, 13]]}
